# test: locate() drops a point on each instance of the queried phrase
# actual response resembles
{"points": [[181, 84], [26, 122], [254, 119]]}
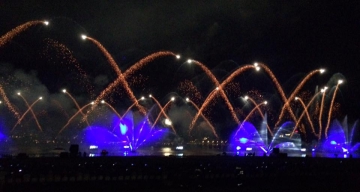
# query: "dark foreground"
{"points": [[192, 173]]}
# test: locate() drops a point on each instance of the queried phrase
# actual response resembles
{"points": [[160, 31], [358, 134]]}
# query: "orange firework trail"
{"points": [[217, 84], [321, 112], [303, 113], [307, 113], [17, 30], [112, 108], [79, 111], [77, 105], [162, 112], [131, 106], [57, 103], [145, 61], [65, 56], [8, 104], [331, 107], [261, 113], [121, 78], [279, 88], [132, 70], [213, 93], [206, 120], [292, 96], [29, 109], [257, 107]]}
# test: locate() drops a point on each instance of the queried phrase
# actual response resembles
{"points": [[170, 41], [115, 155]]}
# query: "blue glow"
{"points": [[243, 140], [336, 141], [283, 138], [247, 137], [127, 134], [123, 129]]}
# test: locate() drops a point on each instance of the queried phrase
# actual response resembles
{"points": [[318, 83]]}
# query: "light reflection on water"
{"points": [[172, 151]]}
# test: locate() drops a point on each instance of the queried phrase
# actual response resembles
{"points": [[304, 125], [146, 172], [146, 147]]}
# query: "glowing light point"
{"points": [[265, 102], [40, 98], [243, 140], [246, 97], [46, 23], [217, 88], [296, 98], [178, 56], [64, 90], [189, 61], [257, 68], [322, 70], [142, 98], [340, 81], [92, 103], [83, 37], [102, 101], [168, 122], [172, 98], [18, 93], [187, 99], [256, 64], [0, 102]]}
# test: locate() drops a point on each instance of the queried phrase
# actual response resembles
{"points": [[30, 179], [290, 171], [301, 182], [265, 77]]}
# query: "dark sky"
{"points": [[291, 37]]}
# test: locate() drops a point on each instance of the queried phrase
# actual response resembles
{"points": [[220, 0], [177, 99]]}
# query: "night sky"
{"points": [[291, 38]]}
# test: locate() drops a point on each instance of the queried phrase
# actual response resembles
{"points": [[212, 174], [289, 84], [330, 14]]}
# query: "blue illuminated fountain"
{"points": [[284, 141], [340, 141], [247, 139], [128, 134]]}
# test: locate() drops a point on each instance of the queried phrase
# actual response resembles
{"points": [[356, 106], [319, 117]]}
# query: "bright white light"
{"points": [[246, 97], [187, 99], [166, 149], [0, 102], [150, 95], [46, 22], [325, 88], [126, 147], [189, 60], [64, 90], [296, 98], [257, 68], [92, 103], [256, 64], [83, 37], [248, 148], [340, 81], [168, 122], [142, 98], [322, 70], [172, 98], [18, 93], [179, 147], [303, 149], [40, 98], [265, 102], [102, 101], [178, 56], [238, 148], [217, 88], [93, 147]]}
